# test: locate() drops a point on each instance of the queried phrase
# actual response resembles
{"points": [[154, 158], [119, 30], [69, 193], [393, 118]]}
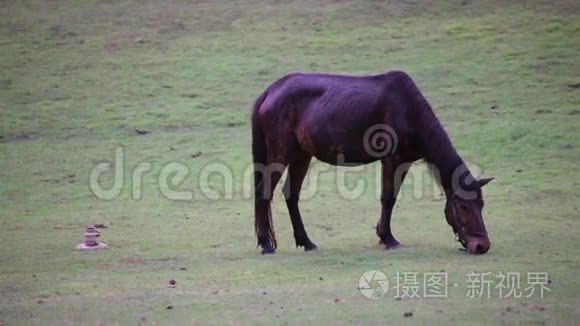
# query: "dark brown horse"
{"points": [[331, 117]]}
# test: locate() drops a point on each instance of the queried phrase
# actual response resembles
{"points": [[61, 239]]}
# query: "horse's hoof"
{"points": [[310, 247], [393, 244], [306, 243], [268, 251]]}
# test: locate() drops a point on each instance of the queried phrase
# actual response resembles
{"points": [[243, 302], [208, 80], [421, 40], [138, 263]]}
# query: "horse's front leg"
{"points": [[393, 175]]}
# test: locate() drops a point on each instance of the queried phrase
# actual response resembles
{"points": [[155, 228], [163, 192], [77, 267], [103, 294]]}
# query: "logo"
{"points": [[373, 284], [380, 140]]}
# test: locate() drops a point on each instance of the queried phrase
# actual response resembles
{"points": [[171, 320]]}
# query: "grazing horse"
{"points": [[330, 117]]}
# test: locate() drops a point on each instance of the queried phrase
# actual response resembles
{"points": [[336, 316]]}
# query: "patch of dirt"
{"points": [[16, 28], [63, 227], [104, 267], [574, 86], [5, 84], [61, 32], [175, 128], [234, 124], [166, 22], [15, 138], [515, 136], [16, 227], [133, 261], [324, 227], [69, 178], [142, 132], [124, 41], [537, 308], [64, 35], [542, 111]]}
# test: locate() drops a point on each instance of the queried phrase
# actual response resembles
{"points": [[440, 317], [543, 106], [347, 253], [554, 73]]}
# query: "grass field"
{"points": [[173, 82]]}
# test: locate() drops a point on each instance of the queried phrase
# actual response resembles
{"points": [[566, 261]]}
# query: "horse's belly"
{"points": [[335, 148], [342, 159]]}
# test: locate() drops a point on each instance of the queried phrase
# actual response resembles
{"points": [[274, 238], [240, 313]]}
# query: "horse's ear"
{"points": [[484, 181]]}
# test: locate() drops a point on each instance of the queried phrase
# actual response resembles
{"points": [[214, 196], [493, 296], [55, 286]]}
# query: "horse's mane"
{"points": [[438, 151]]}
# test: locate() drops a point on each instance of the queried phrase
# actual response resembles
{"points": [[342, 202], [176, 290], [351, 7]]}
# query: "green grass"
{"points": [[78, 77]]}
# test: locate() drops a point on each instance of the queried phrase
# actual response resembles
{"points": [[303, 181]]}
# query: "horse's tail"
{"points": [[260, 158], [259, 147]]}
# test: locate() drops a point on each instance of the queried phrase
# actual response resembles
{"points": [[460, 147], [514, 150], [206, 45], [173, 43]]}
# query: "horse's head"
{"points": [[464, 215]]}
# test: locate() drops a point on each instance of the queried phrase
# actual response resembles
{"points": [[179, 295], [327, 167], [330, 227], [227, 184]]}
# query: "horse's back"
{"points": [[328, 115], [302, 87]]}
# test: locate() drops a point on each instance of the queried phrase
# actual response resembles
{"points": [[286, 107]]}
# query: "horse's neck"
{"points": [[438, 151], [436, 146], [447, 167]]}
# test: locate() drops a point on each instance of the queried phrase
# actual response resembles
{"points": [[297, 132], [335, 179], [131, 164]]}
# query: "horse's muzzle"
{"points": [[478, 245]]}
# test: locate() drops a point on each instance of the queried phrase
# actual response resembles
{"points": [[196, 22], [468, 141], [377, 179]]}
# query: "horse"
{"points": [[332, 117]]}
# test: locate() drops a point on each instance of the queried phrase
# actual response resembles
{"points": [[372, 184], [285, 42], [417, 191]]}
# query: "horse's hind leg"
{"points": [[271, 174], [296, 173]]}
